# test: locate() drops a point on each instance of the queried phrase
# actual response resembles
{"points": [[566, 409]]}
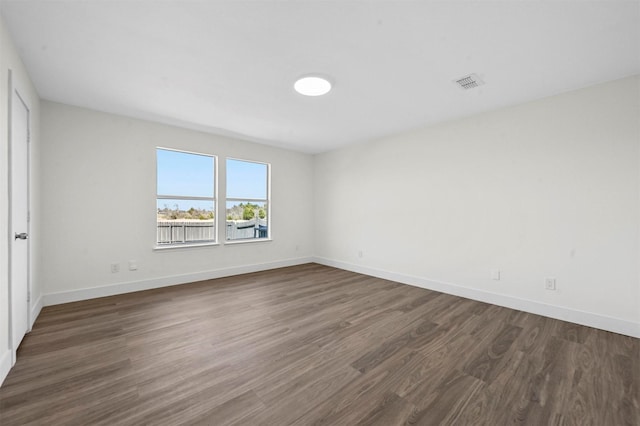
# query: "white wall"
{"points": [[9, 60], [98, 199], [545, 189]]}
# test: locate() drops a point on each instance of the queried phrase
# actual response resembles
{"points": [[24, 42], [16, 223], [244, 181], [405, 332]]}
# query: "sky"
{"points": [[186, 174]]}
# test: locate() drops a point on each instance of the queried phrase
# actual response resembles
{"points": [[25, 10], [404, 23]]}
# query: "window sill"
{"points": [[183, 246], [246, 241]]}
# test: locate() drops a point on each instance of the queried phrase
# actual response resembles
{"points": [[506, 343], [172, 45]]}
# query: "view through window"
{"points": [[247, 200], [185, 197]]}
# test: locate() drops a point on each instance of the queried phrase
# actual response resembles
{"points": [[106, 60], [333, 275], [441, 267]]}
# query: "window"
{"points": [[247, 200], [185, 198]]}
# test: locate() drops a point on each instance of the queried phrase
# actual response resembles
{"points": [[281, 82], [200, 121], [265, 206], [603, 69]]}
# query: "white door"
{"points": [[19, 215]]}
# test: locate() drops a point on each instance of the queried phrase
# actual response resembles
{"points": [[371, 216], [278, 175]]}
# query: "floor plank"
{"points": [[311, 345]]}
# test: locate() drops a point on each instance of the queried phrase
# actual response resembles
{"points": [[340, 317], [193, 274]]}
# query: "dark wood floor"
{"points": [[315, 345]]}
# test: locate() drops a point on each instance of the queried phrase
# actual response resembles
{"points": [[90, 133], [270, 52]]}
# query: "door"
{"points": [[18, 215]]}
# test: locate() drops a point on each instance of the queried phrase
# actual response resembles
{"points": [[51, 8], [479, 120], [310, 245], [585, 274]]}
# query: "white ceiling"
{"points": [[228, 67]]}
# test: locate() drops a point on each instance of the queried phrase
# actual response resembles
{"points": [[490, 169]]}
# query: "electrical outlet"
{"points": [[550, 284], [115, 267], [133, 265], [360, 253], [495, 274]]}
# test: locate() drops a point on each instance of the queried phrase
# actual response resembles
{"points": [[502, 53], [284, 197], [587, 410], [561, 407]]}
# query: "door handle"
{"points": [[21, 236]]}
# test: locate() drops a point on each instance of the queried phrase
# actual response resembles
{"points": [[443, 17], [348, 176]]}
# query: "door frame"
{"points": [[16, 90]]}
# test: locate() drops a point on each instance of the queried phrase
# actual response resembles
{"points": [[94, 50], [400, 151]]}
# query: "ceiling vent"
{"points": [[469, 81]]}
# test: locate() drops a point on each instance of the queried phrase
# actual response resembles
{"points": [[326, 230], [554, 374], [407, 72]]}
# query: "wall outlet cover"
{"points": [[550, 284]]}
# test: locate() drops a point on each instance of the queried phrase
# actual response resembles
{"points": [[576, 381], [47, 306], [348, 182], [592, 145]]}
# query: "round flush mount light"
{"points": [[312, 85]]}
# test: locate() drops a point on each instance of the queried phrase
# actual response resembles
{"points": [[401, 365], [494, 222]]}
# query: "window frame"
{"points": [[214, 200], [266, 201]]}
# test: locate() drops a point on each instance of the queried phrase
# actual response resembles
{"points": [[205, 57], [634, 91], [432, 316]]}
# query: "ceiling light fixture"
{"points": [[312, 86]]}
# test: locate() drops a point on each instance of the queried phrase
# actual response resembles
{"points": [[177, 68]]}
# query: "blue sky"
{"points": [[187, 174], [246, 180]]}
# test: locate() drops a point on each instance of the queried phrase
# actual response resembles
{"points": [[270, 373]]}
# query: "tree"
{"points": [[248, 213], [262, 214]]}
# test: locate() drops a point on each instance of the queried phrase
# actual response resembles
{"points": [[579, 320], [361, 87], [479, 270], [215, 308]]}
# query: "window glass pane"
{"points": [[185, 221], [246, 179], [185, 174], [182, 178], [247, 220]]}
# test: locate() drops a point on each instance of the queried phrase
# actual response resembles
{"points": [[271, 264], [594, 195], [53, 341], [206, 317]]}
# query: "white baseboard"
{"points": [[590, 319], [128, 287], [35, 311], [5, 365], [602, 322]]}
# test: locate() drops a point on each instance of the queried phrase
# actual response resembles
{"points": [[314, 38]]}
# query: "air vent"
{"points": [[469, 81]]}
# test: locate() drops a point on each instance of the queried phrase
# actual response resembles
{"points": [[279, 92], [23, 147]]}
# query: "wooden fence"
{"points": [[188, 231], [246, 229], [174, 231]]}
